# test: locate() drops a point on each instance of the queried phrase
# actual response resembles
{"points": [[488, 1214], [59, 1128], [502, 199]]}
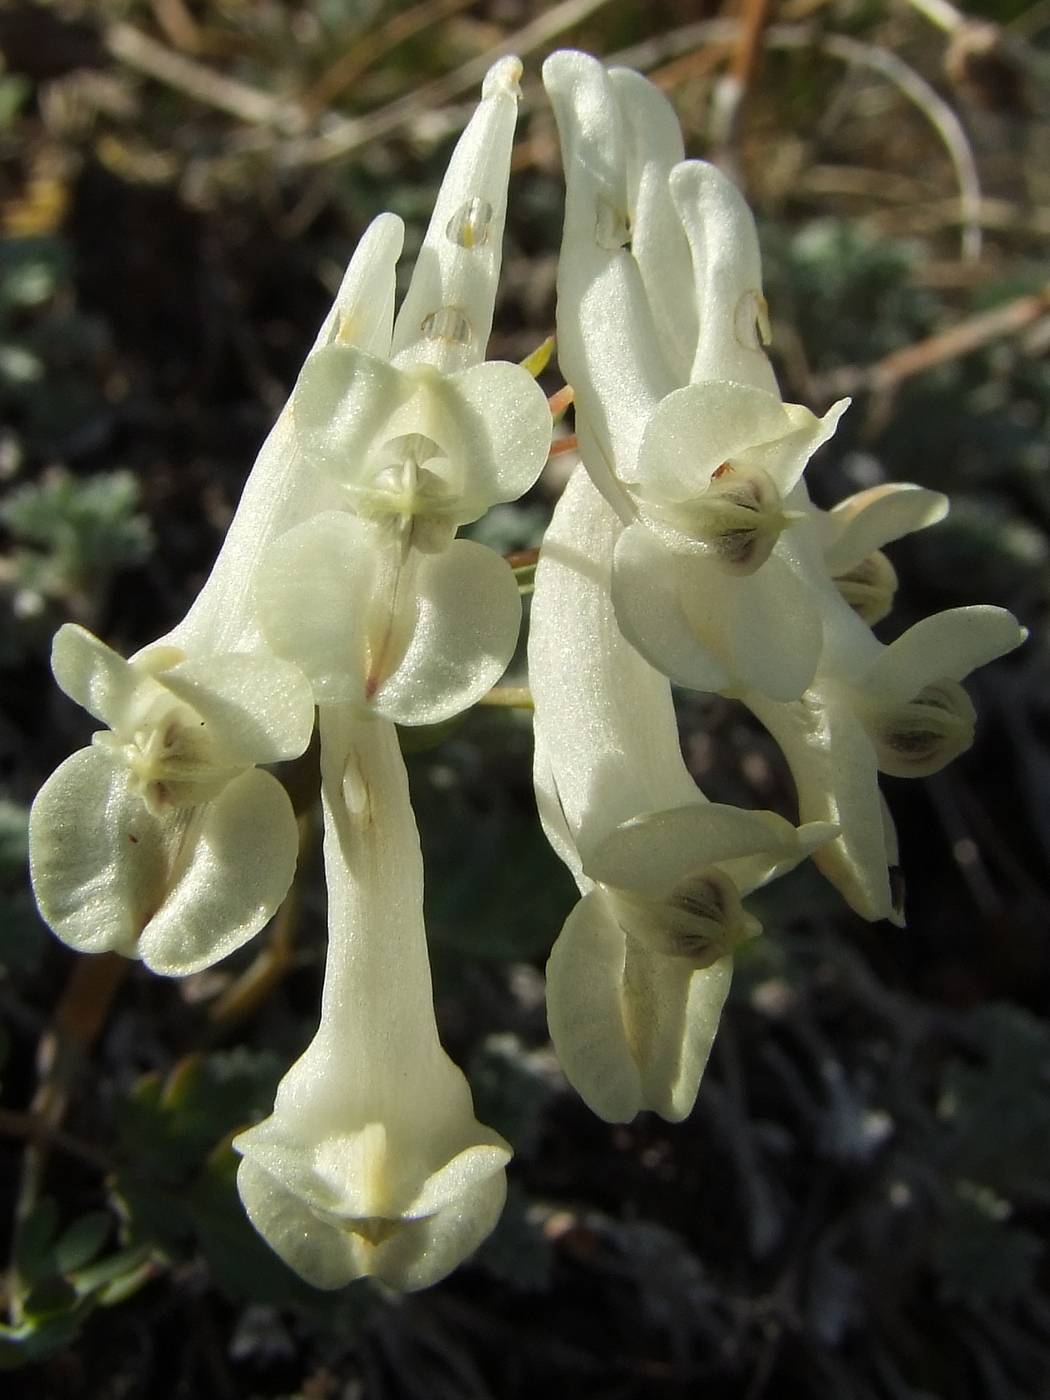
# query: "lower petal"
{"points": [[765, 627], [585, 1011], [244, 848], [468, 618], [98, 858], [646, 596]]}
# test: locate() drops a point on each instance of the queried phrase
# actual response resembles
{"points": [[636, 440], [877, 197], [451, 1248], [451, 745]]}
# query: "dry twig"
{"points": [[197, 80], [885, 374], [351, 133]]}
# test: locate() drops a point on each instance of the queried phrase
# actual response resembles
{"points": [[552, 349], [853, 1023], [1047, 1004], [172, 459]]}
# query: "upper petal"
{"points": [[343, 400], [505, 430], [696, 429], [259, 709], [947, 646], [652, 853], [94, 675], [863, 523]]}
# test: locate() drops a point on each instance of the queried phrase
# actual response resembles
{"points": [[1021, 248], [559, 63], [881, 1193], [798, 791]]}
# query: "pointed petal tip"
{"points": [[503, 77]]}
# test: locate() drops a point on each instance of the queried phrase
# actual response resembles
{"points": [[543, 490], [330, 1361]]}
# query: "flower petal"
{"points": [[653, 146], [728, 277], [99, 860], [584, 977], [608, 346], [343, 399], [363, 311], [652, 853], [258, 708], [424, 1251], [833, 763], [330, 1254], [245, 843], [765, 627], [947, 646], [647, 598], [696, 429], [312, 595], [505, 428], [863, 523], [673, 1014], [785, 459], [458, 1178], [446, 316], [94, 675], [469, 615]]}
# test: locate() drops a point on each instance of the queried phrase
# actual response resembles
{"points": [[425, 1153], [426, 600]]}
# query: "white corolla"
{"points": [[405, 436], [163, 840], [661, 322], [638, 976], [372, 1162]]}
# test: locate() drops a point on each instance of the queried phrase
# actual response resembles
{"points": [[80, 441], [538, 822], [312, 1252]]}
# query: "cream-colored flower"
{"points": [[638, 975], [406, 435], [700, 462], [852, 535], [163, 840], [372, 1162], [871, 708]]}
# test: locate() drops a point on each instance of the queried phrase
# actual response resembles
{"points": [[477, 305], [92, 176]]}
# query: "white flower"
{"points": [[699, 462], [899, 710], [405, 436], [163, 840], [638, 976], [372, 1162]]}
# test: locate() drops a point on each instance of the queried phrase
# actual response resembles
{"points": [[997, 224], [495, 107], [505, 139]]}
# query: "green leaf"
{"points": [[981, 1259], [517, 1251], [998, 1113], [509, 1094], [109, 1272], [33, 1238], [15, 88], [80, 1243], [51, 1296]]}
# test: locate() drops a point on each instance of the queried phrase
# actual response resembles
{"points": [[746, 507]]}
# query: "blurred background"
{"points": [[858, 1206]]}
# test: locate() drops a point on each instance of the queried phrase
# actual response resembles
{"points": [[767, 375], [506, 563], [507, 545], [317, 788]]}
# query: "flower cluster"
{"points": [[341, 586], [685, 549]]}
